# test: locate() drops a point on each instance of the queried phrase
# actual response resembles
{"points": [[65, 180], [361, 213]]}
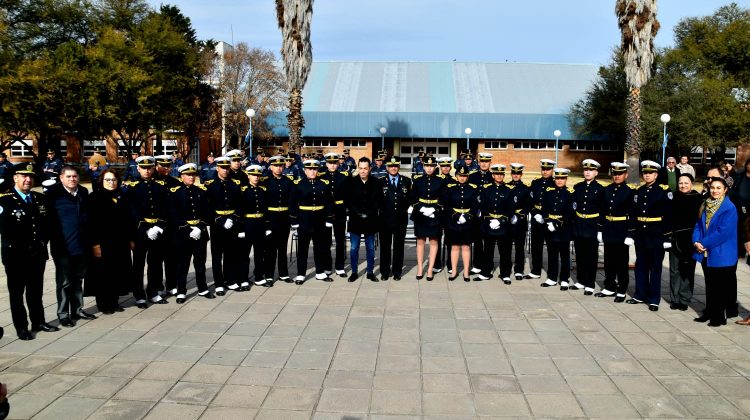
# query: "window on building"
{"points": [[321, 142], [275, 142], [90, 146], [536, 145], [496, 144], [405, 150], [23, 148], [168, 146], [593, 146], [355, 143]]}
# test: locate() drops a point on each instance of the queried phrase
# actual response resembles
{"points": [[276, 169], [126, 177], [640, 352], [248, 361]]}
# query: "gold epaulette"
{"points": [[236, 181], [263, 178], [201, 186], [452, 185], [416, 176], [262, 187], [664, 187], [174, 189], [472, 185], [6, 194], [131, 183], [160, 182], [244, 187], [291, 177], [325, 181], [209, 182], [510, 186], [473, 171], [633, 186], [441, 176], [345, 173], [487, 185], [570, 190], [551, 188], [296, 181]]}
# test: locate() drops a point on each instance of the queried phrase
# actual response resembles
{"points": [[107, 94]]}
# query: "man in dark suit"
{"points": [[393, 219], [362, 193], [669, 174]]}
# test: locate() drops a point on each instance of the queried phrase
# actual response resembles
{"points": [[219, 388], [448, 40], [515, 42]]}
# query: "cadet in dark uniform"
{"points": [[24, 227], [256, 226], [616, 232], [350, 162], [52, 166], [651, 218], [588, 203], [443, 255], [164, 164], [290, 168], [235, 168], [461, 206], [556, 218], [519, 225], [147, 202], [311, 213], [427, 214], [338, 183], [538, 230], [479, 177], [208, 169], [224, 205], [131, 171], [278, 188], [378, 170], [189, 207], [393, 219], [497, 206], [416, 166]]}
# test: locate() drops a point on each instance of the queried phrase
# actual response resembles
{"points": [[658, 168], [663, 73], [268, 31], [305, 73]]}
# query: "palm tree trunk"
{"points": [[295, 120], [633, 135]]}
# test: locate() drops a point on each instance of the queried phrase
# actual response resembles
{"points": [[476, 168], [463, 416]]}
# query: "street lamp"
{"points": [[665, 119], [382, 138], [468, 133], [557, 134], [249, 137]]}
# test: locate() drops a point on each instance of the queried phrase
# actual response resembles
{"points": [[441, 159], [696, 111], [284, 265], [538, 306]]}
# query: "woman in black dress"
{"points": [[427, 212], [111, 264]]}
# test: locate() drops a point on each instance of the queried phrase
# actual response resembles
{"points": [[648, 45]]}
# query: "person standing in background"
{"points": [[669, 174]]}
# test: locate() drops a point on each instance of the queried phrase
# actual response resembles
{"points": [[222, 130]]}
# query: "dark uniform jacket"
{"points": [[614, 217], [311, 204], [55, 165], [588, 204], [131, 171], [557, 208], [378, 171], [496, 202], [537, 189], [277, 197], [208, 171], [147, 202], [461, 199], [480, 177], [69, 221], [396, 201], [239, 175], [652, 215], [338, 184], [521, 204], [254, 207], [188, 205], [223, 201], [427, 191], [362, 203], [24, 227]]}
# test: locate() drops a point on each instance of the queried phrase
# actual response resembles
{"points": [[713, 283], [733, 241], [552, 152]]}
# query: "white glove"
{"points": [[228, 224], [667, 245], [550, 227], [599, 237], [268, 233], [494, 224], [629, 241], [158, 230], [428, 211], [431, 216], [423, 210], [410, 209], [461, 220], [152, 233], [329, 225], [241, 235], [295, 226], [539, 219], [195, 233], [514, 220]]}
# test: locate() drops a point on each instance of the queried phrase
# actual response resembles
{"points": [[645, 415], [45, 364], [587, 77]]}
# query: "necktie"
{"points": [[393, 182], [28, 199]]}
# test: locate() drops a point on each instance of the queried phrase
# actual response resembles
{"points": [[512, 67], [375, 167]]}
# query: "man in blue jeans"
{"points": [[364, 192]]}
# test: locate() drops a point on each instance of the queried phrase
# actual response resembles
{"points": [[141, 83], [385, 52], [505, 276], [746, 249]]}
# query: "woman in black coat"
{"points": [[681, 262], [110, 269], [363, 197]]}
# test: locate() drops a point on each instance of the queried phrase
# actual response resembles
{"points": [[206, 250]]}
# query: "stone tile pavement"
{"points": [[403, 349]]}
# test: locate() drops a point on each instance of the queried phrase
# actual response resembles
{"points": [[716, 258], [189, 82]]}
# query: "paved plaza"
{"points": [[361, 350]]}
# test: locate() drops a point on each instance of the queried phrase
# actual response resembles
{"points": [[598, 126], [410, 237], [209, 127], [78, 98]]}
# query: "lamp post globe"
{"points": [[665, 118], [249, 137], [250, 113], [557, 134], [382, 137], [467, 130]]}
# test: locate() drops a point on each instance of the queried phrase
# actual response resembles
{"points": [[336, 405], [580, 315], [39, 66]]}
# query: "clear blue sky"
{"points": [[577, 31]]}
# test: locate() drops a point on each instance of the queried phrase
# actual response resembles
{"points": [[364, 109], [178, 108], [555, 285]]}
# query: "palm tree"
{"points": [[294, 18], [638, 25]]}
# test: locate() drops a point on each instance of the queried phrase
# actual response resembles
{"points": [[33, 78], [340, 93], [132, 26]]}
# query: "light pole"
{"points": [[382, 138], [249, 137], [468, 133], [557, 134], [665, 119]]}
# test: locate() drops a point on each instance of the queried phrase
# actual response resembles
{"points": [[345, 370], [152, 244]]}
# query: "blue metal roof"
{"points": [[440, 99]]}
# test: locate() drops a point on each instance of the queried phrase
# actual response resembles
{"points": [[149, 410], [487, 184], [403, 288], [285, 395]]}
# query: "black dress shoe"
{"points": [[247, 288], [683, 307], [143, 305], [588, 293], [67, 322], [653, 308], [717, 323], [420, 277], [180, 300], [702, 318], [25, 335], [44, 327], [507, 281], [633, 301], [119, 309], [453, 277], [85, 315], [371, 277], [564, 288], [384, 278], [108, 311], [429, 278], [161, 302], [519, 277], [397, 277], [674, 306], [619, 299], [209, 295], [289, 280], [600, 294], [468, 279], [353, 277], [221, 293]]}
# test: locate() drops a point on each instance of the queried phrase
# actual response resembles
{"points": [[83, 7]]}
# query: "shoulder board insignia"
{"points": [[570, 190], [201, 186], [262, 187], [325, 181], [633, 186], [6, 194], [452, 185], [417, 176], [510, 186], [550, 189], [296, 181], [132, 183], [345, 173], [486, 185], [664, 187], [174, 189], [160, 182], [236, 181], [263, 178], [290, 177], [472, 185], [473, 171], [527, 184], [243, 188], [441, 176], [209, 182]]}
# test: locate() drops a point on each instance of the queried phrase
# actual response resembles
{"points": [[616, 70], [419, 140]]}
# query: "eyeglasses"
{"points": [[110, 179]]}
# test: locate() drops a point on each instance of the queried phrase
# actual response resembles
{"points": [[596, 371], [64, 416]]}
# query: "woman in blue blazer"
{"points": [[715, 241]]}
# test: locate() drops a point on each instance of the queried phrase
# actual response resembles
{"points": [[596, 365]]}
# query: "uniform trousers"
{"points": [[720, 302], [226, 258], [255, 242], [616, 257], [321, 250], [518, 237], [339, 234], [171, 260], [477, 256], [648, 262], [276, 249], [188, 249], [587, 259], [537, 247], [558, 258], [681, 278], [69, 273], [152, 252], [392, 236], [503, 244], [25, 274]]}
